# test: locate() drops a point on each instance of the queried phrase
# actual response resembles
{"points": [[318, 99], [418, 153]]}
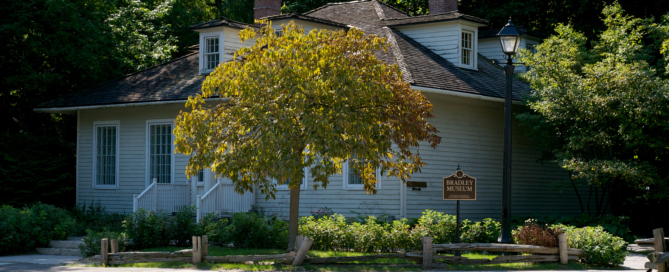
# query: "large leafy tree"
{"points": [[602, 110], [300, 101]]}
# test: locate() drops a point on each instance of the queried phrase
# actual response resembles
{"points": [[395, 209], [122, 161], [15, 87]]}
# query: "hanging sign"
{"points": [[459, 186]]}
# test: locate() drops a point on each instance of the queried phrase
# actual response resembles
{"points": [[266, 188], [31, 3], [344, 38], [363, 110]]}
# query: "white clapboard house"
{"points": [[125, 146]]}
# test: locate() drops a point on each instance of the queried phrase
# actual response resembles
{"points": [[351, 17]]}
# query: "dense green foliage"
{"points": [[252, 230], [616, 225], [33, 226], [146, 229], [92, 241], [601, 247], [95, 217], [602, 113], [332, 232]]}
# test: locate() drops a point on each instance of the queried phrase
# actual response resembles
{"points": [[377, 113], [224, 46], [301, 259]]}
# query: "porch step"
{"points": [[58, 251], [69, 247]]}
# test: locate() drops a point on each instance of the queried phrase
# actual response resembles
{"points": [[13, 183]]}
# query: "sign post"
{"points": [[459, 186]]}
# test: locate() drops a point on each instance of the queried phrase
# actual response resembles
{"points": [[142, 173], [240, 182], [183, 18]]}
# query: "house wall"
{"points": [[444, 39], [132, 178], [472, 137]]}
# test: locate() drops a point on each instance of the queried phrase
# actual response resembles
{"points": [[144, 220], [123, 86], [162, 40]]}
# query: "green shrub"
{"points": [[439, 226], [146, 229], [374, 235], [486, 231], [33, 226], [182, 227], [92, 242], [601, 247], [252, 230], [616, 225], [215, 229], [95, 217]]}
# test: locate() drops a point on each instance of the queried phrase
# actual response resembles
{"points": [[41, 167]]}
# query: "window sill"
{"points": [[105, 187]]}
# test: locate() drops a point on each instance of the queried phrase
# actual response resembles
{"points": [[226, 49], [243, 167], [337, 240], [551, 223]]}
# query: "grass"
{"points": [[390, 264]]}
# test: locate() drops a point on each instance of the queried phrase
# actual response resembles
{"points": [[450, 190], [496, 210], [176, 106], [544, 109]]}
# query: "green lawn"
{"points": [[395, 264]]}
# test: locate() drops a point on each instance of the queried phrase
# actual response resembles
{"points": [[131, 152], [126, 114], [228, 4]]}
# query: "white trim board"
{"points": [[351, 187], [117, 125]]}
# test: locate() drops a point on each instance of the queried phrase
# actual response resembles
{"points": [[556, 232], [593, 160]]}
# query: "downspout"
{"points": [[76, 162]]}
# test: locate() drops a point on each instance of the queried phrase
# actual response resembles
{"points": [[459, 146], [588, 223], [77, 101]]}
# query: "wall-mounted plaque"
{"points": [[421, 184], [459, 186]]}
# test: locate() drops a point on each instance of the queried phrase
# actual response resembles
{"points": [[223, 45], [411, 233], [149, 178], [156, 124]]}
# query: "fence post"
{"points": [[204, 245], [427, 252], [135, 203], [197, 208], [563, 248], [298, 242], [104, 257], [660, 247], [155, 194], [114, 246], [304, 249], [197, 247]]}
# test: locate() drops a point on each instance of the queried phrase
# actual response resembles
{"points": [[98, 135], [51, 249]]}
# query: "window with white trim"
{"points": [[212, 55], [467, 47], [533, 49], [160, 152], [200, 177], [353, 180], [105, 155], [278, 32], [303, 183]]}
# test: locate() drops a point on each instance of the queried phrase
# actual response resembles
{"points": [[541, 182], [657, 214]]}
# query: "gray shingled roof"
{"points": [[306, 18], [448, 16], [223, 22], [174, 80], [179, 78]]}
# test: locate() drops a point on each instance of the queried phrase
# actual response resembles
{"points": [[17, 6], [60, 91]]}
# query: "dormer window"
{"points": [[467, 54], [211, 53]]}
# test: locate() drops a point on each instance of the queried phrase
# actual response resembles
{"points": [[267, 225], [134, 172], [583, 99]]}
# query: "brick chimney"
{"points": [[264, 8], [442, 6]]}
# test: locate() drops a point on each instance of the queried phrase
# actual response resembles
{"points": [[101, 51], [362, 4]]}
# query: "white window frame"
{"points": [[203, 37], [117, 124], [205, 175], [148, 147], [358, 186], [472, 49], [284, 187]]}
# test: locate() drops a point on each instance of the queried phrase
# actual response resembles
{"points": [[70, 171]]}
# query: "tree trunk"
{"points": [[294, 216]]}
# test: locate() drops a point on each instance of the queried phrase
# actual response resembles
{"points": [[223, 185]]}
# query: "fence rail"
{"points": [[222, 198], [163, 197]]}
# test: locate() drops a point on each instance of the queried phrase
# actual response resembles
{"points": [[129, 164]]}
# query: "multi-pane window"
{"points": [[467, 48], [160, 153], [106, 155], [279, 32], [353, 179], [284, 186], [533, 49], [200, 176], [211, 53]]}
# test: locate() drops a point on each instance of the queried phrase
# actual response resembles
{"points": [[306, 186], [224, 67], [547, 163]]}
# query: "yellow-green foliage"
{"points": [[305, 100]]}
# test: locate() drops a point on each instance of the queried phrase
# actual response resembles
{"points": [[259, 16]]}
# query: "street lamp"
{"points": [[510, 40]]}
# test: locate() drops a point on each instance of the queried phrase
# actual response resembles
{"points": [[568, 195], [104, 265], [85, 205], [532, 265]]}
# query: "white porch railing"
{"points": [[163, 197], [222, 198]]}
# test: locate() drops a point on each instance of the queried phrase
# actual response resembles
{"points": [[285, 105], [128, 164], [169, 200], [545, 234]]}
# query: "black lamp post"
{"points": [[510, 40]]}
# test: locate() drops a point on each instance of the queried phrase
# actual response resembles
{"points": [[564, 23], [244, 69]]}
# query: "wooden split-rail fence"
{"points": [[428, 257], [658, 260]]}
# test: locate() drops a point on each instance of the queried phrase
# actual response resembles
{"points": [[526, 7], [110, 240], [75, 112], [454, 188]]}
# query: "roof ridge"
{"points": [[399, 57], [427, 15], [335, 3], [396, 9], [123, 77], [305, 17], [379, 10]]}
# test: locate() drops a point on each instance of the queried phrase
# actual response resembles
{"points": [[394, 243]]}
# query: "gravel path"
{"points": [[635, 261]]}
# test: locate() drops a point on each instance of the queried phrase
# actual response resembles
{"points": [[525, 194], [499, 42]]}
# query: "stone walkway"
{"points": [[635, 261], [40, 259]]}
